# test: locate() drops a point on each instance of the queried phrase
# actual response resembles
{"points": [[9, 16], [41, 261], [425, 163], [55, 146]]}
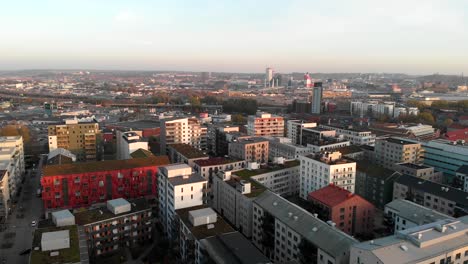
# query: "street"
{"points": [[18, 233]]}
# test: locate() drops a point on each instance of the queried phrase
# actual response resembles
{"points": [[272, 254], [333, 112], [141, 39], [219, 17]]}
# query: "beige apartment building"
{"points": [[389, 151], [264, 124], [78, 137], [250, 149], [183, 130]]}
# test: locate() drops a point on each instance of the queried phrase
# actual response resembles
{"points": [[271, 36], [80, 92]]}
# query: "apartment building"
{"points": [[217, 138], [375, 183], [80, 185], [320, 170], [12, 161], [462, 175], [432, 195], [349, 212], [282, 147], [232, 197], [326, 144], [312, 135], [183, 130], [127, 143], [281, 229], [264, 124], [444, 241], [4, 196], [444, 155], [208, 168], [280, 176], [178, 188], [78, 137], [294, 130], [118, 225], [419, 170], [389, 151], [250, 149], [354, 135], [406, 214], [184, 153], [207, 238]]}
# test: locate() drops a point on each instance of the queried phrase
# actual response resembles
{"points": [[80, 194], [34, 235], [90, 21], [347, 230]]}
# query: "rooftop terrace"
{"points": [[66, 255], [188, 151]]}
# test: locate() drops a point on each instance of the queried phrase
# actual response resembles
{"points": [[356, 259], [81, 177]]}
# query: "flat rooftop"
{"points": [[181, 180], [201, 231], [215, 161], [66, 255], [318, 157], [374, 170], [94, 215], [136, 125], [106, 165], [414, 166], [399, 141], [252, 140], [416, 213], [188, 151]]}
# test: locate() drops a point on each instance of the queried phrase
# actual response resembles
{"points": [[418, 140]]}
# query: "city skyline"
{"points": [[417, 37]]}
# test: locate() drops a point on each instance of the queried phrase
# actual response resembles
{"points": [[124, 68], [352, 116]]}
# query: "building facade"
{"points": [[250, 149], [318, 171], [183, 130], [347, 211], [80, 185], [389, 151], [294, 130], [78, 137], [264, 124], [355, 136], [127, 143]]}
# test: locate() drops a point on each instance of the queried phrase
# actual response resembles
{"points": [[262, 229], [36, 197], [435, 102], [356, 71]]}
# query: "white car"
{"points": [[33, 223]]}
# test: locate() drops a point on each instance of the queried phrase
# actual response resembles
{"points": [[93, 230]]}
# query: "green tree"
{"points": [[194, 101], [448, 122], [427, 118], [238, 119]]}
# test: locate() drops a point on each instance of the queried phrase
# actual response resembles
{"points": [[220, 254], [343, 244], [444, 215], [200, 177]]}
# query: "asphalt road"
{"points": [[28, 208]]}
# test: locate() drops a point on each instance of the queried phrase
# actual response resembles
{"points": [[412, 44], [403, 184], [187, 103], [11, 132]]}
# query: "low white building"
{"points": [[355, 136], [406, 214], [318, 171], [127, 143], [63, 218], [178, 188], [444, 241], [294, 130], [278, 147]]}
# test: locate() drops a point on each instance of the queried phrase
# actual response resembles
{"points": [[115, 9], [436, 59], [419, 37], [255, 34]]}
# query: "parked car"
{"points": [[33, 223]]}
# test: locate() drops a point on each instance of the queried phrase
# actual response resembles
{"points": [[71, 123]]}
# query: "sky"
{"points": [[404, 36]]}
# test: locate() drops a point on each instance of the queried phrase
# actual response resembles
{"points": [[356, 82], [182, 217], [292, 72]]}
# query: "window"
{"points": [[458, 256], [321, 257]]}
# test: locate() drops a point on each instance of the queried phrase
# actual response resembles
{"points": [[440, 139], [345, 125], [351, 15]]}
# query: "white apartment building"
{"points": [[327, 144], [444, 241], [183, 130], [264, 124], [318, 171], [282, 147], [406, 214], [127, 143], [232, 199], [12, 161], [207, 168], [288, 226], [420, 171], [294, 130], [355, 136], [4, 196], [178, 188]]}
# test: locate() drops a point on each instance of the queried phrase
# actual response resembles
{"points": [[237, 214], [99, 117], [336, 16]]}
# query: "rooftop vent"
{"points": [[419, 236], [100, 212], [210, 226], [314, 229], [453, 227], [290, 214], [275, 203], [295, 218], [316, 215], [404, 247], [372, 242]]}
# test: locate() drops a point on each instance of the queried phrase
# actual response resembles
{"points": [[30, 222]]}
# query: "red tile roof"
{"points": [[331, 195]]}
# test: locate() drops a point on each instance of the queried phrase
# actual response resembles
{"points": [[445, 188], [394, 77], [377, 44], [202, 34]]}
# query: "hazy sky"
{"points": [[410, 36]]}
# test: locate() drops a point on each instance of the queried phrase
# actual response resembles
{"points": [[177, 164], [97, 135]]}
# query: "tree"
{"points": [[448, 122], [16, 130], [427, 118], [194, 101], [238, 119]]}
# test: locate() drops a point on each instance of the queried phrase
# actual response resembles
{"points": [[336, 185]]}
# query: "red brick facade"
{"points": [[81, 185]]}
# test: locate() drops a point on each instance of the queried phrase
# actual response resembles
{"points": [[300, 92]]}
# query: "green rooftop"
{"points": [[188, 151], [85, 216], [141, 153], [270, 168], [66, 255]]}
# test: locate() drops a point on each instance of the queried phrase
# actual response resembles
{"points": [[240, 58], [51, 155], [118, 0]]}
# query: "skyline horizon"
{"points": [[417, 37]]}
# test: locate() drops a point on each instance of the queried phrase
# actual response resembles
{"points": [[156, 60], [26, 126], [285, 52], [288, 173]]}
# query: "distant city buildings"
{"points": [[317, 98], [377, 108]]}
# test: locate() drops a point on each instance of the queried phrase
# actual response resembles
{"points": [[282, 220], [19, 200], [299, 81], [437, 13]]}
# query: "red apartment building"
{"points": [[349, 212], [83, 184]]}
